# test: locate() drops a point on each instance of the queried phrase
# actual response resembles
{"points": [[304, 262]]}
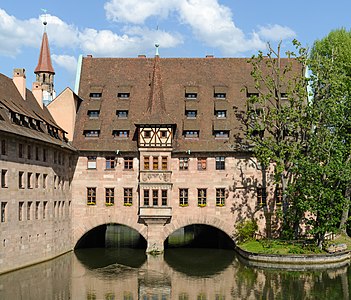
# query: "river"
{"points": [[181, 274]]}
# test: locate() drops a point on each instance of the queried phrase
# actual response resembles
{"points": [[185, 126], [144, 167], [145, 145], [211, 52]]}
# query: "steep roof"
{"points": [[155, 97], [44, 62], [12, 102]]}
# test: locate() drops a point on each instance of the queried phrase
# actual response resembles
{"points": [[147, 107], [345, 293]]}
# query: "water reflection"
{"points": [[183, 274]]}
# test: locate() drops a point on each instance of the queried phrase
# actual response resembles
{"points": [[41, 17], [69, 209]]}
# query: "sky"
{"points": [[182, 28]]}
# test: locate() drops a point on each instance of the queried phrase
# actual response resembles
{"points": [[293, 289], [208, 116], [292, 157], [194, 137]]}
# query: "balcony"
{"points": [[155, 214]]}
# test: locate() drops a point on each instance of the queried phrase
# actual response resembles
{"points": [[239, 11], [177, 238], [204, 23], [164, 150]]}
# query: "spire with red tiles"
{"points": [[44, 63]]}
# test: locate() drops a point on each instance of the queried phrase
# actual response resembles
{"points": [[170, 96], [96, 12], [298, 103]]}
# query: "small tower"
{"points": [[44, 71]]}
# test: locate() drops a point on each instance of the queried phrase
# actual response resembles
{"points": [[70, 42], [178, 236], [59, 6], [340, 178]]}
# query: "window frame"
{"points": [[183, 197], [91, 195], [220, 197], [127, 196], [201, 197], [220, 163], [109, 196], [110, 162], [128, 163], [91, 162]]}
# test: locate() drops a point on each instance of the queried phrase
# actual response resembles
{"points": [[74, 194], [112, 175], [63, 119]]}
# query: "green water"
{"points": [[181, 274]]}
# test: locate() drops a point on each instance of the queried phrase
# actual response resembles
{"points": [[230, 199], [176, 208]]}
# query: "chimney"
{"points": [[19, 79], [142, 56], [209, 56], [38, 93]]}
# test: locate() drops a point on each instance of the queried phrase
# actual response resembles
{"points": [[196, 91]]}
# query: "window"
{"points": [[147, 133], [21, 180], [110, 162], [191, 95], [29, 210], [220, 163], [3, 147], [221, 114], [121, 133], [191, 114], [93, 114], [3, 178], [95, 95], [37, 204], [155, 163], [29, 151], [183, 163], [91, 195], [224, 134], [123, 95], [44, 155], [261, 196], [20, 211], [163, 133], [37, 176], [91, 133], [20, 150], [183, 197], [122, 114], [146, 197], [91, 162], [220, 197], [128, 163], [201, 163], [164, 197], [155, 197], [201, 197], [44, 180], [164, 163], [191, 133], [45, 207], [128, 196], [3, 212], [109, 196], [220, 95], [146, 162], [278, 195], [36, 153]]}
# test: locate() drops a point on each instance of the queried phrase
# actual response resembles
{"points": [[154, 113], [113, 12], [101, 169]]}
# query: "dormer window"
{"points": [[224, 134], [123, 95], [122, 114], [95, 95], [284, 96], [191, 114], [163, 133], [191, 133], [221, 114], [91, 133], [147, 133], [252, 95], [120, 133], [220, 95], [190, 95], [93, 114]]}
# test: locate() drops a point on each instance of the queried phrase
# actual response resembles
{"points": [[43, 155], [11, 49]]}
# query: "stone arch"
{"points": [[83, 227], [213, 221]]}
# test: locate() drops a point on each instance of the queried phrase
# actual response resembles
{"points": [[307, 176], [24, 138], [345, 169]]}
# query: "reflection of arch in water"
{"points": [[215, 222], [99, 236]]}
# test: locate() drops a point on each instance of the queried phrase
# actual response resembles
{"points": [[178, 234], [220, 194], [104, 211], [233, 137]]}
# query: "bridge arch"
{"points": [[83, 228], [180, 222]]}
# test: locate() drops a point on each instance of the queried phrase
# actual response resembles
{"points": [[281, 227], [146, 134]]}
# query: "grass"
{"points": [[289, 247]]}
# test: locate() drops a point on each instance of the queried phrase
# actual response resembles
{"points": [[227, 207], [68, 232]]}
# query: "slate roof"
{"points": [[157, 88], [12, 102]]}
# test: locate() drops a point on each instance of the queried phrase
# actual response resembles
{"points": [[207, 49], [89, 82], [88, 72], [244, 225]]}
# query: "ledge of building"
{"points": [[295, 262]]}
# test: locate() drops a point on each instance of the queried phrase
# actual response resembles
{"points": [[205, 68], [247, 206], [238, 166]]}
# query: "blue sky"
{"points": [[183, 28]]}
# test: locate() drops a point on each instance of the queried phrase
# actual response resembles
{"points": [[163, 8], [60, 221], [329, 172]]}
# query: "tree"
{"points": [[277, 120]]}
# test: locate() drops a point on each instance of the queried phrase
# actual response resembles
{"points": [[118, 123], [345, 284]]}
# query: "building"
{"points": [[158, 144]]}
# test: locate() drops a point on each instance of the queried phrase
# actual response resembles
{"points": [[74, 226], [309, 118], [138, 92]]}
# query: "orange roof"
{"points": [[44, 63]]}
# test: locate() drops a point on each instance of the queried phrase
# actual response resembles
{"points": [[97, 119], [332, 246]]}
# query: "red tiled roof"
{"points": [[44, 62]]}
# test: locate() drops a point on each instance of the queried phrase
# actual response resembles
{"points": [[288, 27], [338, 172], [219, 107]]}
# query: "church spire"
{"points": [[44, 62]]}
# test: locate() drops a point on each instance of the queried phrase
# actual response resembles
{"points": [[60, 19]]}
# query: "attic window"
{"points": [[123, 95], [120, 133], [95, 95], [93, 114], [284, 96], [221, 134], [221, 114], [251, 95], [191, 114], [191, 133], [190, 95], [122, 114], [91, 133], [220, 95]]}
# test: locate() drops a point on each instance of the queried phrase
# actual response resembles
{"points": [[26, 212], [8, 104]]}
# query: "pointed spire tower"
{"points": [[44, 71]]}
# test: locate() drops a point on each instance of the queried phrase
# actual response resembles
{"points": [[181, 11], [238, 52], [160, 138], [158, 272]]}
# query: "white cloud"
{"points": [[65, 61], [276, 32]]}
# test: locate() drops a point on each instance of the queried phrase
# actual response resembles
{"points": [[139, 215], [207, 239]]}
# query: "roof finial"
{"points": [[157, 45], [44, 22]]}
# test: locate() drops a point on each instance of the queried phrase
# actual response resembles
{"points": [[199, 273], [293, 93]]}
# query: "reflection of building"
{"points": [[160, 146]]}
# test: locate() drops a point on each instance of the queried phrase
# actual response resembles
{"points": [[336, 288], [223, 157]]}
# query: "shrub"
{"points": [[245, 231]]}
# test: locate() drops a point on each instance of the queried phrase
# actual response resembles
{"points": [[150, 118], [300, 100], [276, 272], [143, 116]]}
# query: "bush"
{"points": [[245, 231]]}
